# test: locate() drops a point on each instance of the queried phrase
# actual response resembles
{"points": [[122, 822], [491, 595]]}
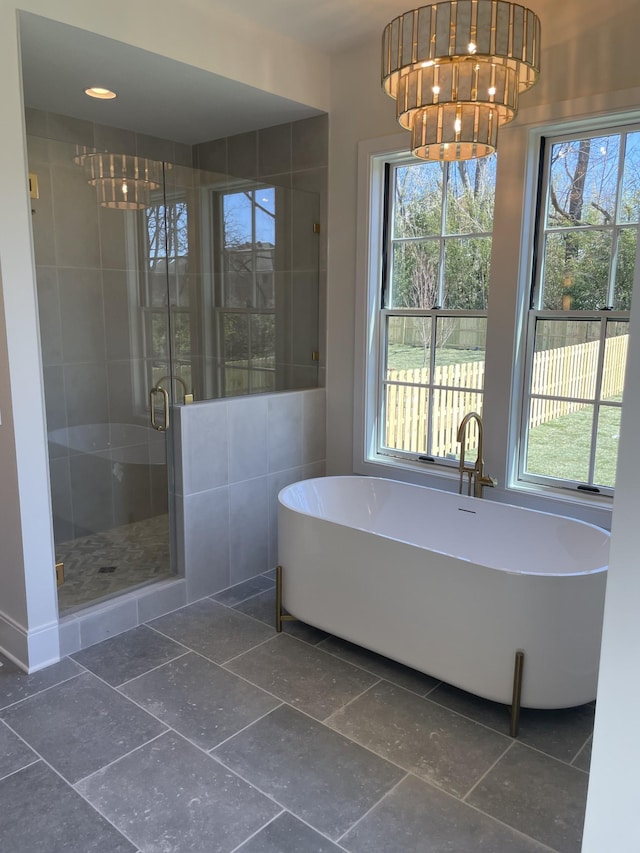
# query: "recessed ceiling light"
{"points": [[103, 94]]}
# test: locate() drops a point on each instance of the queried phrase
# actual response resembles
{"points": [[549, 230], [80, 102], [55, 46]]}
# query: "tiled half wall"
{"points": [[233, 458]]}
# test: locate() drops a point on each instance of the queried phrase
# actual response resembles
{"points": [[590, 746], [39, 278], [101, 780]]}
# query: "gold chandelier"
{"points": [[122, 181], [456, 70]]}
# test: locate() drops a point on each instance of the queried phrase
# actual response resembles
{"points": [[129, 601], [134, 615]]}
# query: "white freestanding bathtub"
{"points": [[453, 586]]}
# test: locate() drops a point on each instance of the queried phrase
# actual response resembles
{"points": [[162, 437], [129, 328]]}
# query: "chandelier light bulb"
{"points": [[455, 60]]}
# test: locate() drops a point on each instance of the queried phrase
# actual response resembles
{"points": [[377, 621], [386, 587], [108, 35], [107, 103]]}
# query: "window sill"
{"points": [[561, 495]]}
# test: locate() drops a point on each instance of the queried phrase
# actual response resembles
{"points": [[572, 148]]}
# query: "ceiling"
{"points": [[156, 95], [172, 100]]}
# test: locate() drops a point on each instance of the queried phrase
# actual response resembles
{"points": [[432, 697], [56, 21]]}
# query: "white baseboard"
{"points": [[30, 650]]}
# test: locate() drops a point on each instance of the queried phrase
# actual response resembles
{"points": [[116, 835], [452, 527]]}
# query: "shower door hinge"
{"points": [[316, 227], [59, 573], [33, 185]]}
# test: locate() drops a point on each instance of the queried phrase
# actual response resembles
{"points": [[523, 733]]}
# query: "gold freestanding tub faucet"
{"points": [[476, 475]]}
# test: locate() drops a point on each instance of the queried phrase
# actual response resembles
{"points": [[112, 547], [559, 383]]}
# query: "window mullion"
{"points": [[432, 374], [254, 260], [596, 402], [615, 237], [443, 231], [527, 395], [543, 217], [381, 384]]}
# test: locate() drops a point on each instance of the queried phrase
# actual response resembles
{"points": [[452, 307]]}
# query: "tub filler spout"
{"points": [[475, 473]]}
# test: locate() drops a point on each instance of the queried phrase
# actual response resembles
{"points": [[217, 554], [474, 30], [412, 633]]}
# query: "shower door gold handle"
{"points": [[165, 402]]}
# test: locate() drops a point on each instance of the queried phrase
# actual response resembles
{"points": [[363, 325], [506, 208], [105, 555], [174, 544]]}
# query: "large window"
{"points": [[437, 247], [579, 318]]}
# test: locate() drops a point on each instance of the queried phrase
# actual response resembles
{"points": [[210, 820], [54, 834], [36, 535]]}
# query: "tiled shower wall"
{"points": [[293, 155]]}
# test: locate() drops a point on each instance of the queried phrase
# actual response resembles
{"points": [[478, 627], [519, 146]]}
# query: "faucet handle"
{"points": [[486, 480]]}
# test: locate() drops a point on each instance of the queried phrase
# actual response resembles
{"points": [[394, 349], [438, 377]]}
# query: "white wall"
{"points": [[589, 64], [201, 33], [11, 562], [28, 616], [612, 806], [359, 110]]}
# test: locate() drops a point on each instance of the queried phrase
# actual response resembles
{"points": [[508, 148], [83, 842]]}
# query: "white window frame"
{"points": [[392, 163], [537, 312], [514, 218], [373, 156]]}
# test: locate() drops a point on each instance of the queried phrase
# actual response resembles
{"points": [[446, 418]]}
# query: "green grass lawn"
{"points": [[560, 448], [407, 357]]}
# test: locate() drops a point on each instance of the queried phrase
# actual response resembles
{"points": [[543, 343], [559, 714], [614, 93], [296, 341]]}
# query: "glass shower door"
{"points": [[105, 345]]}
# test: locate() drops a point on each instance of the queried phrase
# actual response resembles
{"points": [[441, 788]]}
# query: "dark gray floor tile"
{"points": [[307, 678], [287, 833], [325, 779], [241, 591], [583, 759], [426, 739], [14, 754], [415, 817], [198, 698], [16, 685], [383, 667], [128, 655], [263, 607], [491, 714], [42, 814], [560, 733], [81, 725], [536, 794], [215, 631], [171, 796]]}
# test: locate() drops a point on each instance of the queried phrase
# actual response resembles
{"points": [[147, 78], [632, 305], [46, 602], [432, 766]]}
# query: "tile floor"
{"points": [[204, 730]]}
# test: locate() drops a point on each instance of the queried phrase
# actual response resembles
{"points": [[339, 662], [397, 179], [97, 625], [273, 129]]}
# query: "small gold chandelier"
{"points": [[122, 181], [456, 70]]}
